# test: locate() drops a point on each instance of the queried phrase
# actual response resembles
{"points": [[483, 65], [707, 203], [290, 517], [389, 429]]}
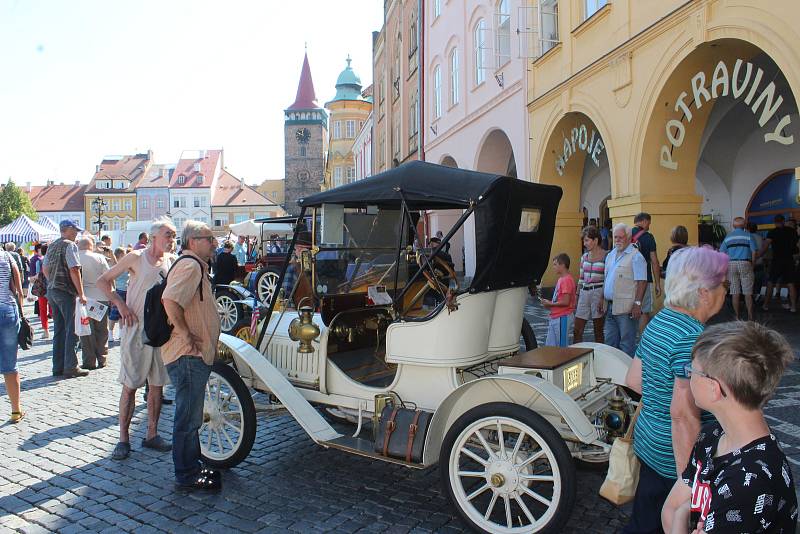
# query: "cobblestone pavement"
{"points": [[56, 473]]}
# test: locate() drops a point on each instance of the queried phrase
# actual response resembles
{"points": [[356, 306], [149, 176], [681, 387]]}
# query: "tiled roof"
{"points": [[194, 163], [230, 193], [129, 167], [57, 197], [156, 176]]}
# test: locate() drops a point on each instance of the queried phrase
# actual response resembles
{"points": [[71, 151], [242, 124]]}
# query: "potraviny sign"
{"points": [[580, 140], [724, 84]]}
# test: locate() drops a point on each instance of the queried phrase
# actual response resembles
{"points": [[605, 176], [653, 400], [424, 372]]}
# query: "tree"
{"points": [[13, 203]]}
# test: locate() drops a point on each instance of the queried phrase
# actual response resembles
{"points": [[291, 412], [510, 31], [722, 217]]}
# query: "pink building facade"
{"points": [[474, 89]]}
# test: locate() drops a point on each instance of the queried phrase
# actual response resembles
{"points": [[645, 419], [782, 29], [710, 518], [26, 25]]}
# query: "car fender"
{"points": [[242, 291], [530, 391], [609, 362]]}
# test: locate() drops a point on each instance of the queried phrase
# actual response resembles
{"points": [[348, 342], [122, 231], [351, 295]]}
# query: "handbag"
{"points": [[619, 487], [39, 286], [25, 334], [401, 433]]}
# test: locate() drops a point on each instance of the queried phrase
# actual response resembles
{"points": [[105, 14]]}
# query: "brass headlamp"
{"points": [[304, 330]]}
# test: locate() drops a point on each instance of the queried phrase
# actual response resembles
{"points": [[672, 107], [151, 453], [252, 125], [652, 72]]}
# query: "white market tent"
{"points": [[24, 230], [48, 223], [251, 227]]}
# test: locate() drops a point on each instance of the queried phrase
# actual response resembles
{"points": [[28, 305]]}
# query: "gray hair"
{"points": [[622, 226], [160, 223], [10, 247], [691, 269], [85, 242], [192, 229]]}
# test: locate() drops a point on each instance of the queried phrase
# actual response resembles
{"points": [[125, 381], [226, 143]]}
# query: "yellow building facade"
{"points": [[672, 107]]}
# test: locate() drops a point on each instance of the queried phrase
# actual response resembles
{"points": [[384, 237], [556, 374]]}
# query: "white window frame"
{"points": [[128, 205], [337, 129], [350, 129], [437, 92], [144, 203], [502, 19], [337, 176], [548, 19], [159, 202], [181, 179], [437, 8], [115, 205], [479, 42], [455, 97]]}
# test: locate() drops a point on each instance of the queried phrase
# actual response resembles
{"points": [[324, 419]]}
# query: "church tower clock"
{"points": [[305, 134]]}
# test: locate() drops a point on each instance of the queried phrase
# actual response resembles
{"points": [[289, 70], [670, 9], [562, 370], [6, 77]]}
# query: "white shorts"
{"points": [[589, 303], [140, 362], [558, 331]]}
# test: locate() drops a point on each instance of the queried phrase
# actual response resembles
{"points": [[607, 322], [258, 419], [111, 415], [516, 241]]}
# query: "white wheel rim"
{"points": [[504, 476], [228, 314], [222, 430], [267, 286]]}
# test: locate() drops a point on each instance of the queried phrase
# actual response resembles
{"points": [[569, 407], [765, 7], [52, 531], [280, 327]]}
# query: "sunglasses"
{"points": [[689, 372]]}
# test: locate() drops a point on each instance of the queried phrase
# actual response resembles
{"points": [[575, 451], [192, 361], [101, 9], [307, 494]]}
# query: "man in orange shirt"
{"points": [[189, 353]]}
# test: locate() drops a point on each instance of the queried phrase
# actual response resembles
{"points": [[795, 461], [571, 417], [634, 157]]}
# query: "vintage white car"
{"points": [[427, 367]]}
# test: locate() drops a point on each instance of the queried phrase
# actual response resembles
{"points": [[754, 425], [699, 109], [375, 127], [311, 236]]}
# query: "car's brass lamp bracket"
{"points": [[304, 330]]}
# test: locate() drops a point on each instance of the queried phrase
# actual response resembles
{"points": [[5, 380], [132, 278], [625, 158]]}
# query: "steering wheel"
{"points": [[439, 280]]}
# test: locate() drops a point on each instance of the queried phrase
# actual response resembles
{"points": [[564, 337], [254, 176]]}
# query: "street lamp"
{"points": [[99, 207]]}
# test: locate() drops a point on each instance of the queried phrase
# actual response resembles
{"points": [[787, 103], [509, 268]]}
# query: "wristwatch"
{"points": [[637, 302]]}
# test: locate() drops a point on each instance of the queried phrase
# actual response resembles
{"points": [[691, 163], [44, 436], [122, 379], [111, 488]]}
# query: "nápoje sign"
{"points": [[580, 140]]}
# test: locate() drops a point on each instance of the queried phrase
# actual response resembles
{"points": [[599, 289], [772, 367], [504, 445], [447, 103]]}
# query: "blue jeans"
{"points": [[620, 331], [189, 375], [64, 339], [9, 329]]}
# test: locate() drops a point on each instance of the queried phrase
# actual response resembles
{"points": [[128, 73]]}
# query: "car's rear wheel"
{"points": [[229, 310], [507, 470], [229, 418], [267, 285]]}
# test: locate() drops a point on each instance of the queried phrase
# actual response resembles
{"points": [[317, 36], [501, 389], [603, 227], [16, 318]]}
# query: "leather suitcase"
{"points": [[401, 433]]}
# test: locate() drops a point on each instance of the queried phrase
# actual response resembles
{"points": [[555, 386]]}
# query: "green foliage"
{"points": [[13, 203]]}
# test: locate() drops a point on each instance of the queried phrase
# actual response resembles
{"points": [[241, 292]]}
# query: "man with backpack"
{"points": [[189, 353], [140, 362]]}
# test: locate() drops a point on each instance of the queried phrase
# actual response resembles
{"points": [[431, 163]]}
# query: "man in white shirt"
{"points": [[94, 347]]}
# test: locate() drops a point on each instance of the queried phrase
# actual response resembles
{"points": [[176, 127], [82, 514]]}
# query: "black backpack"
{"points": [[157, 329]]}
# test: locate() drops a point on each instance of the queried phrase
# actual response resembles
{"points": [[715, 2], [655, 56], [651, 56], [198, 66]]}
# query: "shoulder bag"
{"points": [[619, 487]]}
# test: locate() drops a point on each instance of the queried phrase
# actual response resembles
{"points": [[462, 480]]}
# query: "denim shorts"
{"points": [[9, 329]]}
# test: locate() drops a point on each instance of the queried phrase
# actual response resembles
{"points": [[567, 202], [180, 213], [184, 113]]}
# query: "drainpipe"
{"points": [[421, 79]]}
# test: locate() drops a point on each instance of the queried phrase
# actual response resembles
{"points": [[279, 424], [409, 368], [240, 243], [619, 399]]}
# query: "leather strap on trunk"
{"points": [[390, 426], [412, 431]]}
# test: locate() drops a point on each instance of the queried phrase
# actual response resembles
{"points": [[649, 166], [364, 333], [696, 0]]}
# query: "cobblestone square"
{"points": [[56, 474]]}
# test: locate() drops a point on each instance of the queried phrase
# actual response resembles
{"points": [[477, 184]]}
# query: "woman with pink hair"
{"points": [[669, 421]]}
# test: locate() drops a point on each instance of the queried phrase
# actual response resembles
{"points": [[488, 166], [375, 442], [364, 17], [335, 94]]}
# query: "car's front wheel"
{"points": [[507, 470]]}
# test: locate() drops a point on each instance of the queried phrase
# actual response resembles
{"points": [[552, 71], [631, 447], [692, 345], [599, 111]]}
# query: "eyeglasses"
{"points": [[689, 372], [170, 235], [209, 238]]}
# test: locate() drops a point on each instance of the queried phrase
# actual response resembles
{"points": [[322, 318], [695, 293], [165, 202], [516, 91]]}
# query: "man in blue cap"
{"points": [[64, 284]]}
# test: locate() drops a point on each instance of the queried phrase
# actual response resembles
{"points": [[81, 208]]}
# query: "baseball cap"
{"points": [[66, 223]]}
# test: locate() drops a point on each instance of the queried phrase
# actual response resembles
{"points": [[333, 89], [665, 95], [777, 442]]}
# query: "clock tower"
{"points": [[305, 134]]}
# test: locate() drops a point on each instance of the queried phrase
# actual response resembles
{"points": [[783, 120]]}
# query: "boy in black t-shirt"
{"points": [[738, 479]]}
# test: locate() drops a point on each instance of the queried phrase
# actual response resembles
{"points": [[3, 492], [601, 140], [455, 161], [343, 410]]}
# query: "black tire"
{"points": [[248, 434], [546, 433], [528, 337], [264, 294], [226, 299]]}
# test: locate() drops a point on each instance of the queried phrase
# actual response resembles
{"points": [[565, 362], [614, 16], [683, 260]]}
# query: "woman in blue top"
{"points": [[669, 422], [10, 295]]}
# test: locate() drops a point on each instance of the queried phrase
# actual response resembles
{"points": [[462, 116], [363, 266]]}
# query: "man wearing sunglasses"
{"points": [[189, 353]]}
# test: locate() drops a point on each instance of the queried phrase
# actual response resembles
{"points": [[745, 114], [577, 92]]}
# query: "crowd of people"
{"points": [[707, 458]]}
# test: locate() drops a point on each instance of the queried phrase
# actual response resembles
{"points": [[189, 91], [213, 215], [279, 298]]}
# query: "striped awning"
{"points": [[24, 230], [48, 223]]}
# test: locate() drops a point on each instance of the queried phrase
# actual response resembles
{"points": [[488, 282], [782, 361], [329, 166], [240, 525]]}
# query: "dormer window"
{"points": [[181, 179], [199, 178]]}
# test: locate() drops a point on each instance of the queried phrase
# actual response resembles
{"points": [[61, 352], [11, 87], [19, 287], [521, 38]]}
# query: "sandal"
{"points": [[16, 417]]}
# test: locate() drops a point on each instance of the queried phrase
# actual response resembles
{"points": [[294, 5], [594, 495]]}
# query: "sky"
{"points": [[81, 79]]}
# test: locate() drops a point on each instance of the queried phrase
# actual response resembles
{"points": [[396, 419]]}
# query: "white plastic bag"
{"points": [[95, 309], [82, 327]]}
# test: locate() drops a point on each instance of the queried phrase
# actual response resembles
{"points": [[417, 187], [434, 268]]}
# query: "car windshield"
{"points": [[362, 251]]}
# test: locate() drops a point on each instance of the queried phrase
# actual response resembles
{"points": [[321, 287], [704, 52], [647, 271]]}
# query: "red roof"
{"points": [[194, 163], [156, 176], [230, 193], [128, 167], [306, 98], [57, 197]]}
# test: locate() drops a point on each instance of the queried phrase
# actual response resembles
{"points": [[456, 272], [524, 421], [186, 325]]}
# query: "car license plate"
{"points": [[572, 377]]}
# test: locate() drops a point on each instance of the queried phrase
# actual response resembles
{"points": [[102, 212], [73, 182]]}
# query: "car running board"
{"points": [[309, 418], [366, 448]]}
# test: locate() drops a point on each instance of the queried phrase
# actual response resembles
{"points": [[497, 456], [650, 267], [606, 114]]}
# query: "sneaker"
{"points": [[157, 443], [786, 305], [121, 451], [201, 483]]}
